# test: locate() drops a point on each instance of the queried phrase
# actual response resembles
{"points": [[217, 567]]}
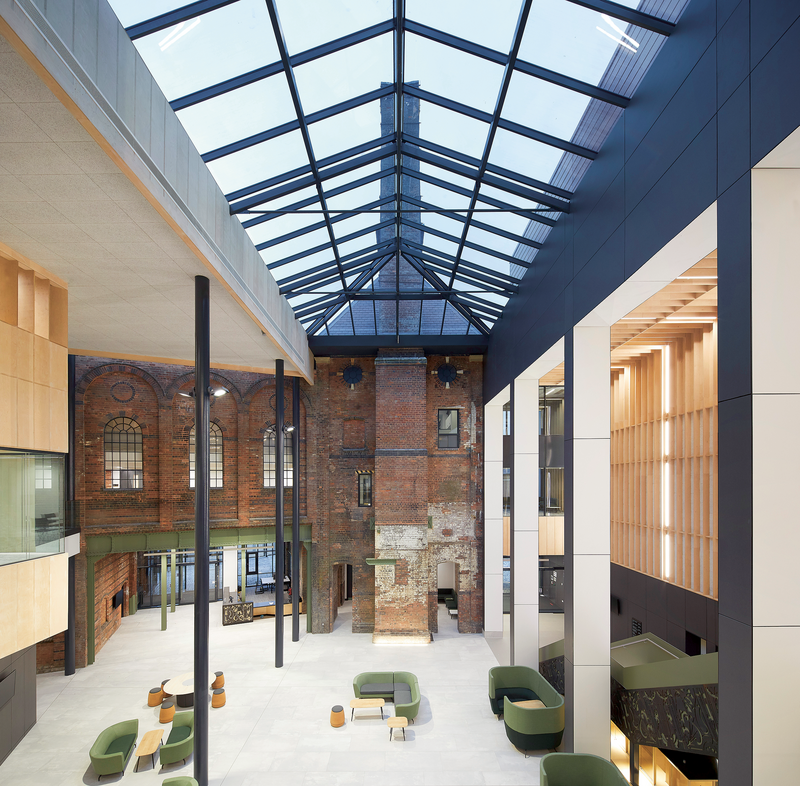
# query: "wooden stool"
{"points": [[218, 698], [219, 682], [397, 723], [337, 716], [155, 697], [166, 695], [167, 711]]}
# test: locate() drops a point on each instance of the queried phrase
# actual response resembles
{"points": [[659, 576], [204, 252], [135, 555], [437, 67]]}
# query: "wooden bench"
{"points": [[268, 610]]}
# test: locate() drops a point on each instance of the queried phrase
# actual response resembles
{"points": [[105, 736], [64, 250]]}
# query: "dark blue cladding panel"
{"points": [[769, 21], [736, 508], [775, 85], [679, 55], [685, 191], [676, 606], [683, 118], [726, 7], [734, 137], [733, 53], [735, 703], [604, 272], [735, 371], [605, 219]]}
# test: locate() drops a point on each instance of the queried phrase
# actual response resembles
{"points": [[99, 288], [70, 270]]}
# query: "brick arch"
{"points": [[180, 381], [117, 368], [465, 556], [257, 387], [188, 425]]}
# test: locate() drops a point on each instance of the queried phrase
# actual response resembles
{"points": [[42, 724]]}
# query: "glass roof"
{"points": [[398, 163]]}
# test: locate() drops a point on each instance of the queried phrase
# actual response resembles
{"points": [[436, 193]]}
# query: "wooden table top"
{"points": [[396, 722], [529, 703], [150, 742], [180, 686], [356, 703]]}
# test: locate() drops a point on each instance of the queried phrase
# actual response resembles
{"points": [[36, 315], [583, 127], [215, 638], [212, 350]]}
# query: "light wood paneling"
{"points": [[664, 434], [551, 535], [506, 536], [554, 377], [33, 602], [33, 358]]}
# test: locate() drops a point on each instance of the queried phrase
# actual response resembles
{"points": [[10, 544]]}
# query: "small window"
{"points": [[123, 454], [270, 447], [448, 428], [364, 489], [214, 457], [44, 472]]}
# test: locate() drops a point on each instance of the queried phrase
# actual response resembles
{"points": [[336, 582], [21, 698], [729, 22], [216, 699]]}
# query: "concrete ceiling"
{"points": [[65, 205]]}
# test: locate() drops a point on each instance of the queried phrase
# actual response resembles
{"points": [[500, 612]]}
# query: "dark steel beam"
{"points": [[354, 346], [468, 265], [547, 139], [637, 18], [163, 21], [398, 50], [295, 125], [202, 374], [295, 571], [332, 263], [276, 68], [440, 37], [575, 85], [279, 562]]}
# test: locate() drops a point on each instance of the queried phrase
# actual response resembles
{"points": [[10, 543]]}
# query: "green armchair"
{"points": [[112, 748], [528, 728], [180, 742], [565, 769], [180, 780]]}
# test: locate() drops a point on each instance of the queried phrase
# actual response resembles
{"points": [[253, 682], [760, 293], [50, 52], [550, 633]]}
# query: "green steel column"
{"points": [[164, 591], [243, 593], [90, 563], [308, 586], [173, 560]]}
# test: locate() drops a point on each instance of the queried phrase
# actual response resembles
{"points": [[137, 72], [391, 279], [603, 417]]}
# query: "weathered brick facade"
{"points": [[339, 428]]}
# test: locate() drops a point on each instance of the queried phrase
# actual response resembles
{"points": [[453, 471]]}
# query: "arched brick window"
{"points": [[122, 444], [214, 458], [270, 447]]}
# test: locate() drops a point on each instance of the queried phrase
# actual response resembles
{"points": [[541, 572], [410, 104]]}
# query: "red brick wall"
{"points": [[111, 574]]}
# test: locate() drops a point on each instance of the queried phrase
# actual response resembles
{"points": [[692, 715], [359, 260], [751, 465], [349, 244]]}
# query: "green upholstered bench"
{"points": [[566, 769], [180, 743], [113, 746], [400, 687], [528, 728]]}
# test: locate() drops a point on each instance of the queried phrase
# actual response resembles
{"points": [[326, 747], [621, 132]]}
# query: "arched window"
{"points": [[214, 458], [270, 445], [122, 445]]}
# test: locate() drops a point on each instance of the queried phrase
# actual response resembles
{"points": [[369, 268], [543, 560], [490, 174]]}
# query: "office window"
{"points": [[43, 478], [123, 454], [364, 489], [448, 428], [270, 445], [214, 458]]}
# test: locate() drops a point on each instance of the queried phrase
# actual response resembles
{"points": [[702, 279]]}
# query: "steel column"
{"points": [[201, 534], [279, 567], [296, 509]]}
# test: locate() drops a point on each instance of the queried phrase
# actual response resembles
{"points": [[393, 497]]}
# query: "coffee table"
{"points": [[148, 746], [397, 723], [356, 704], [183, 685]]}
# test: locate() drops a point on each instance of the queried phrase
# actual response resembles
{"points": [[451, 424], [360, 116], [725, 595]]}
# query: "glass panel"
{"points": [[210, 48], [544, 106], [521, 154], [353, 224], [507, 221], [307, 197], [131, 12], [314, 22], [356, 198], [360, 242], [441, 197], [490, 240], [31, 505], [346, 130], [485, 260], [350, 177], [576, 41], [364, 490], [238, 114], [490, 25], [298, 246], [283, 225], [448, 177], [443, 224], [345, 74], [452, 74], [260, 162], [453, 130]]}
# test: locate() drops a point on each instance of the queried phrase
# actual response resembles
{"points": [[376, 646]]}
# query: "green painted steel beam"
{"points": [[173, 559], [164, 591]]}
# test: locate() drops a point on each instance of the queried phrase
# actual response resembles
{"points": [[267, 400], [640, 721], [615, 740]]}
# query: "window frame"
{"points": [[216, 456], [365, 485], [113, 448], [447, 435], [269, 456]]}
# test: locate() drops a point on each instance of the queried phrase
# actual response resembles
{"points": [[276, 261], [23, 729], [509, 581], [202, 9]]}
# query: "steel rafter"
{"points": [[399, 85], [306, 279], [630, 15], [298, 108], [273, 69], [381, 248], [163, 21]]}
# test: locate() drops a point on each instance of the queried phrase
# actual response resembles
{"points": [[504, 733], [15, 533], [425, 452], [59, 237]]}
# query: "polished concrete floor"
{"points": [[275, 728]]}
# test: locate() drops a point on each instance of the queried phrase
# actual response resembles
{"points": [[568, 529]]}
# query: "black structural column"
{"points": [[201, 535], [296, 509], [279, 567], [69, 634]]}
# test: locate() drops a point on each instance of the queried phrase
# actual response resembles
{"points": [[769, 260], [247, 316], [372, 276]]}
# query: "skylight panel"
{"points": [[451, 129], [521, 154], [346, 129], [131, 12], [210, 48], [490, 240], [468, 19], [284, 225]]}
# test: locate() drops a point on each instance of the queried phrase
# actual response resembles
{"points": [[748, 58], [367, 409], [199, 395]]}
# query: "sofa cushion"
{"points": [[121, 744], [377, 689], [402, 694], [178, 734]]}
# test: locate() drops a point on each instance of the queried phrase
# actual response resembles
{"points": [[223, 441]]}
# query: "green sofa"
{"points": [[112, 748], [566, 769], [180, 743], [400, 687], [180, 780], [528, 728]]}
